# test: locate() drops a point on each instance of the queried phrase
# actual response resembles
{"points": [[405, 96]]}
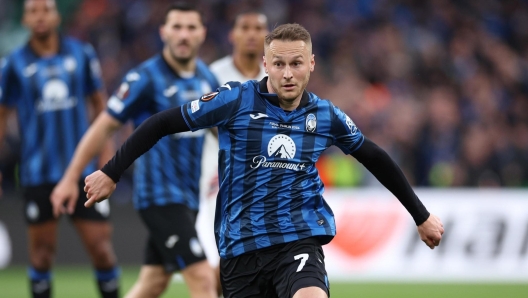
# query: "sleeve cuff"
{"points": [[110, 173], [421, 218]]}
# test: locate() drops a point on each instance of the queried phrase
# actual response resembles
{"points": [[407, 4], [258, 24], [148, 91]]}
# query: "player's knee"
{"points": [[42, 255], [155, 285], [202, 278], [102, 253]]}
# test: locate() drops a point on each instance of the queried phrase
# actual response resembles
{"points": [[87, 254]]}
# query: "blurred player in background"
{"points": [[166, 181], [50, 82], [247, 37]]}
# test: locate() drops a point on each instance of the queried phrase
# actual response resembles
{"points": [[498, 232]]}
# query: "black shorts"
{"points": [[278, 271], [173, 241], [38, 208]]}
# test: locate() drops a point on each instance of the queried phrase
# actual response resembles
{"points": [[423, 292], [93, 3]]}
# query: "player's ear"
{"points": [[58, 19], [204, 33], [230, 36], [265, 64], [312, 63], [25, 21], [162, 32]]}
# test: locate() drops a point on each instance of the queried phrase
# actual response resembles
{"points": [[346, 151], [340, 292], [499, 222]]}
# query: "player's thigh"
{"points": [[94, 228], [301, 267], [173, 242], [37, 204], [310, 292], [42, 226], [250, 274]]}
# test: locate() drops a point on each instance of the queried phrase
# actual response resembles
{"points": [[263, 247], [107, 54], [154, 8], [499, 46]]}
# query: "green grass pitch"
{"points": [[78, 282]]}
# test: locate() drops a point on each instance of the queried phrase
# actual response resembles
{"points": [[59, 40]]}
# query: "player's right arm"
{"points": [[210, 110], [100, 184]]}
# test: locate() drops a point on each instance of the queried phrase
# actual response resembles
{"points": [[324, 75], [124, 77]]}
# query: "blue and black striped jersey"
{"points": [[170, 172], [49, 94], [270, 190]]}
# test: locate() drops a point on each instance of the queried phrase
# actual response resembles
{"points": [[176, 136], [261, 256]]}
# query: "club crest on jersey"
{"points": [[311, 123], [208, 96], [132, 76], [70, 64]]}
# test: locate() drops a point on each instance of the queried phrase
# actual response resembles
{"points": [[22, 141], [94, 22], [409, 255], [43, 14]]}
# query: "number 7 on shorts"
{"points": [[304, 258]]}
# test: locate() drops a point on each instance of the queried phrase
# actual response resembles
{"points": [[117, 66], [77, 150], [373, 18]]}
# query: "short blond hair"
{"points": [[289, 32]]}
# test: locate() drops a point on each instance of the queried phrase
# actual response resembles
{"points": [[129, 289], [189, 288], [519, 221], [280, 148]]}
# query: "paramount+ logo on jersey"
{"points": [[281, 149], [55, 96]]}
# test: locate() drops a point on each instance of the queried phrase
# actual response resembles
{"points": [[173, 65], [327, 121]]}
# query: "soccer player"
{"points": [[166, 180], [50, 81], [271, 218], [247, 37]]}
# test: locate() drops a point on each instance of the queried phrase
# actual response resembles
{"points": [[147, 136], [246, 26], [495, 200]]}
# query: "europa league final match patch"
{"points": [[208, 96]]}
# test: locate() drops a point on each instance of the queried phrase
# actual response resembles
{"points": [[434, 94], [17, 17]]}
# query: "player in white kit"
{"points": [[247, 37]]}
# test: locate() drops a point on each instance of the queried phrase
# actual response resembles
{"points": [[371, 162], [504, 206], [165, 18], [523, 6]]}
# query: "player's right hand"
{"points": [[65, 192], [98, 187]]}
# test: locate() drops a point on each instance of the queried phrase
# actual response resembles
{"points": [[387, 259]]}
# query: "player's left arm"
{"points": [[388, 173], [350, 139]]}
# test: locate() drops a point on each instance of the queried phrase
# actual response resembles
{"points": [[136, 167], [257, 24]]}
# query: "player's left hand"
{"points": [[431, 231], [98, 187]]}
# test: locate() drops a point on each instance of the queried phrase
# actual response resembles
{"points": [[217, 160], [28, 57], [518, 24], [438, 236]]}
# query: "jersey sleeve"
{"points": [[213, 109], [9, 85], [94, 80], [346, 134], [129, 99]]}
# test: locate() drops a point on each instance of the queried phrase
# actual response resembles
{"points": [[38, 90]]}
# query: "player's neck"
{"points": [[285, 105], [179, 66], [248, 65], [46, 46]]}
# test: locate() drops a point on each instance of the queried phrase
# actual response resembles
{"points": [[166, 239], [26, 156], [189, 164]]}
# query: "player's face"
{"points": [[41, 17], [248, 33], [183, 33], [288, 64]]}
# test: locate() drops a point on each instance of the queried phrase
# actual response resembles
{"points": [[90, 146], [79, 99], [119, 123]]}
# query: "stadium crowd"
{"points": [[442, 85]]}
